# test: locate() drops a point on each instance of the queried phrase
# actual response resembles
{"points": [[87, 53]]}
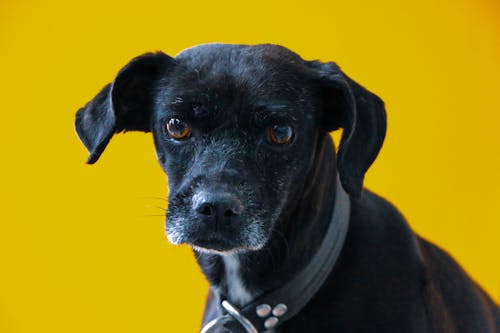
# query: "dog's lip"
{"points": [[210, 240], [214, 242]]}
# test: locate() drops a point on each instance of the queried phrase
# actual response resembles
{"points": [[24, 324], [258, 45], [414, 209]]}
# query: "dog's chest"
{"points": [[237, 292]]}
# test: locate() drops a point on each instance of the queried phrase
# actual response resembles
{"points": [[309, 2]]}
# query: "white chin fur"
{"points": [[226, 253]]}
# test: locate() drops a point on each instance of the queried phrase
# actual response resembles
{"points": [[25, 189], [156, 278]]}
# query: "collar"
{"points": [[277, 306]]}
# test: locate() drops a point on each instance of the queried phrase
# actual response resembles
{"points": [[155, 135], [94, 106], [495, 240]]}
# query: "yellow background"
{"points": [[82, 248]]}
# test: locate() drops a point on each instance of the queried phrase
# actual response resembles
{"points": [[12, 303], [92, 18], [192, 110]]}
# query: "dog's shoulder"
{"points": [[405, 266], [378, 277], [381, 232], [454, 301]]}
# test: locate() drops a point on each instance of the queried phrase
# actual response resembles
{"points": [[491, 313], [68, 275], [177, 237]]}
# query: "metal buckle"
{"points": [[213, 324], [233, 314]]}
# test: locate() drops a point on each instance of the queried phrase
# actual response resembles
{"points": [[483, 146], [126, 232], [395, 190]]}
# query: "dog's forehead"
{"points": [[250, 73], [258, 65], [237, 55]]}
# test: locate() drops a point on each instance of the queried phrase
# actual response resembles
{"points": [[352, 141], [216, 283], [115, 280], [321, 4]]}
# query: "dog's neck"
{"points": [[296, 236]]}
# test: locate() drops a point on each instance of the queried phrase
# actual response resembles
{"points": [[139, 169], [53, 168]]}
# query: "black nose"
{"points": [[217, 205]]}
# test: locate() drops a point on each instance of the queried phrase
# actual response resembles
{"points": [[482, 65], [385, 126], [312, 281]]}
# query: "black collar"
{"points": [[277, 306]]}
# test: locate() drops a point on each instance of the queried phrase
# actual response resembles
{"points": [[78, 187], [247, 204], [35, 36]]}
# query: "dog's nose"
{"points": [[217, 205]]}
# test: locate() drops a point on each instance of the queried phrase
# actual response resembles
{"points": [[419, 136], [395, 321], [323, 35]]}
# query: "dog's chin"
{"points": [[217, 244], [223, 247]]}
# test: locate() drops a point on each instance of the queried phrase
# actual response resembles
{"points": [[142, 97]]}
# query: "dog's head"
{"points": [[236, 129]]}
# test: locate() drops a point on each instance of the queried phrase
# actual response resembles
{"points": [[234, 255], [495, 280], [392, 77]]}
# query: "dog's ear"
{"points": [[362, 116], [123, 105]]}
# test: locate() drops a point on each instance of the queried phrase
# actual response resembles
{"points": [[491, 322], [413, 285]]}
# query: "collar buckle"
{"points": [[233, 315]]}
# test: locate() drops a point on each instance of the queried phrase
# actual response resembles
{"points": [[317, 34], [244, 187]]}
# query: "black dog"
{"points": [[255, 187]]}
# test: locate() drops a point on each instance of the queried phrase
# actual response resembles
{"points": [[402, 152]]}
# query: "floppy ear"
{"points": [[123, 105], [362, 116]]}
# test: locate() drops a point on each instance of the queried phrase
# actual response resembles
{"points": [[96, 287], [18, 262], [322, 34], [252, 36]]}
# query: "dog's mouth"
{"points": [[221, 242], [246, 235], [214, 244]]}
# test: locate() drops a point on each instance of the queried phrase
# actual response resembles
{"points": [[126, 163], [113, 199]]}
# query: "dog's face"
{"points": [[235, 129]]}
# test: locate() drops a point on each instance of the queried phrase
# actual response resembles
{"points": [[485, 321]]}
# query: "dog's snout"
{"points": [[217, 205]]}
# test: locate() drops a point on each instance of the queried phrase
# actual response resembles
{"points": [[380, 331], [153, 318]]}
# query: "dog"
{"points": [[280, 223]]}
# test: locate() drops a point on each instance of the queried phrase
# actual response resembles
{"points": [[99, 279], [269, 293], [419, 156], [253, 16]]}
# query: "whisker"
{"points": [[152, 197], [154, 206], [153, 215]]}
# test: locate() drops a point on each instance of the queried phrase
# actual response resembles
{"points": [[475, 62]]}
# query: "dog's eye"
{"points": [[178, 129], [280, 134]]}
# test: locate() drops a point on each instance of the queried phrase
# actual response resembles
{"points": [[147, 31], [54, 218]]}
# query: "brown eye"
{"points": [[280, 134], [178, 129]]}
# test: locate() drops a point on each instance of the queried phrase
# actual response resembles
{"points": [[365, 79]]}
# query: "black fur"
{"points": [[278, 197]]}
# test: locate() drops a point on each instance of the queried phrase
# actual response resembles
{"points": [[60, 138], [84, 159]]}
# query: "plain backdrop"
{"points": [[82, 248]]}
